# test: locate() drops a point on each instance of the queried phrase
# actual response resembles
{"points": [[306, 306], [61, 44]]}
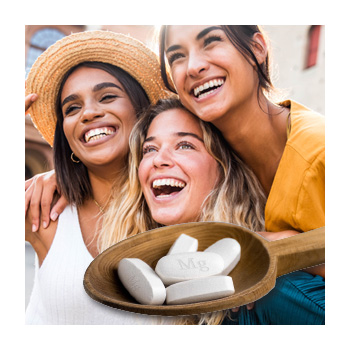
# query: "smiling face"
{"points": [[211, 76], [176, 172], [97, 117]]}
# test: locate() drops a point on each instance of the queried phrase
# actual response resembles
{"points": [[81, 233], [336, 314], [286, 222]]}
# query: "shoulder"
{"points": [[296, 199], [307, 137]]}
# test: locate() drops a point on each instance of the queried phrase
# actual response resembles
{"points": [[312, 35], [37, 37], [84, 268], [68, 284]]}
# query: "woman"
{"points": [[91, 90], [221, 74], [181, 170], [228, 191]]}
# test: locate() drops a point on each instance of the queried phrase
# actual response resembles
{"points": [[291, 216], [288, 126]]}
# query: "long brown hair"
{"points": [[237, 196], [72, 178]]}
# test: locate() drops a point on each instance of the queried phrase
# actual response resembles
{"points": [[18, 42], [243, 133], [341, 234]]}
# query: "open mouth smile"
{"points": [[98, 133], [207, 88], [168, 187]]}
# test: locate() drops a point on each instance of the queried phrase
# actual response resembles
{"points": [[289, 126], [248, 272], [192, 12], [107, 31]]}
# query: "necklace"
{"points": [[99, 207]]}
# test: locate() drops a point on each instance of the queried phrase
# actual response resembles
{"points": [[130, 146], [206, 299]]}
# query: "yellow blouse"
{"points": [[297, 197]]}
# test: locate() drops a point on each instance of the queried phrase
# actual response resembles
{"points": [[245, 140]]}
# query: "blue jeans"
{"points": [[297, 299]]}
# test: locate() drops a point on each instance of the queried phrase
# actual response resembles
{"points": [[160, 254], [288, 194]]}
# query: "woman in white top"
{"points": [[90, 89]]}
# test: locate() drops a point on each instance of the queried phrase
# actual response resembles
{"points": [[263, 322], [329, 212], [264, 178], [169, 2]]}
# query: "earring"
{"points": [[74, 160]]}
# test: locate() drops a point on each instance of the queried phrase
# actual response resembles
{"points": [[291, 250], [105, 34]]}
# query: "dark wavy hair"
{"points": [[72, 178], [241, 38]]}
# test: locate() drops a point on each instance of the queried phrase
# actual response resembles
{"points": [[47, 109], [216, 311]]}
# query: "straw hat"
{"points": [[47, 72]]}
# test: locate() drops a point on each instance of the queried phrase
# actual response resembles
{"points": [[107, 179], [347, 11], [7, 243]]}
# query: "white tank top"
{"points": [[58, 295]]}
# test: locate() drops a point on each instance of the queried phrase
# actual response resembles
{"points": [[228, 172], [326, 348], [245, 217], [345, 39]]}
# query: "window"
{"points": [[39, 42], [312, 49]]}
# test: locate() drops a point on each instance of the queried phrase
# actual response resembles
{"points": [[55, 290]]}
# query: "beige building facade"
{"points": [[290, 49]]}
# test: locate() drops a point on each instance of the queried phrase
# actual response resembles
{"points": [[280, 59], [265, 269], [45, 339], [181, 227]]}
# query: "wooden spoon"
{"points": [[254, 276]]}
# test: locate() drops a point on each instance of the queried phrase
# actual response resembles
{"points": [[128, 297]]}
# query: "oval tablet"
{"points": [[185, 266], [184, 244], [203, 289], [141, 281], [230, 250]]}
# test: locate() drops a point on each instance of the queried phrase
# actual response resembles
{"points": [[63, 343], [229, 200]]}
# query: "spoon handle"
{"points": [[300, 251]]}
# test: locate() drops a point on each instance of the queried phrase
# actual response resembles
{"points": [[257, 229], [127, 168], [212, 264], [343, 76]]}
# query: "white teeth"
{"points": [[211, 83], [205, 94], [95, 134], [168, 182]]}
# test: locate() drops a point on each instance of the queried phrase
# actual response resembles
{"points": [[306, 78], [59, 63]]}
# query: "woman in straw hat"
{"points": [[221, 74], [91, 88]]}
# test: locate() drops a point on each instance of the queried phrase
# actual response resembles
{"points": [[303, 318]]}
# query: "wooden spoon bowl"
{"points": [[254, 276]]}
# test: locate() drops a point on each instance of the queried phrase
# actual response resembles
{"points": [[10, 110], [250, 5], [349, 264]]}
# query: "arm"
{"points": [[273, 236], [299, 206], [40, 241], [40, 191], [39, 197], [311, 210]]}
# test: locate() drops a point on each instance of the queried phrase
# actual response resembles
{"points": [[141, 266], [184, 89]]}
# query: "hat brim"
{"points": [[125, 52]]}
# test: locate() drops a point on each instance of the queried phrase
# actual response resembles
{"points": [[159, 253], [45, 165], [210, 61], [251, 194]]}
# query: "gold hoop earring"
{"points": [[72, 158]]}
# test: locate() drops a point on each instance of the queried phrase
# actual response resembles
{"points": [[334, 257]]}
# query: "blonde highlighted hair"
{"points": [[237, 197]]}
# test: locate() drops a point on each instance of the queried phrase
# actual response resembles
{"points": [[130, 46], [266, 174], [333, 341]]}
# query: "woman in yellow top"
{"points": [[221, 74]]}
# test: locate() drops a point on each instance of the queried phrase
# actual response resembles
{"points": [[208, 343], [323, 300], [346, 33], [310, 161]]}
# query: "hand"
{"points": [[39, 195], [274, 236], [250, 306], [29, 100]]}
